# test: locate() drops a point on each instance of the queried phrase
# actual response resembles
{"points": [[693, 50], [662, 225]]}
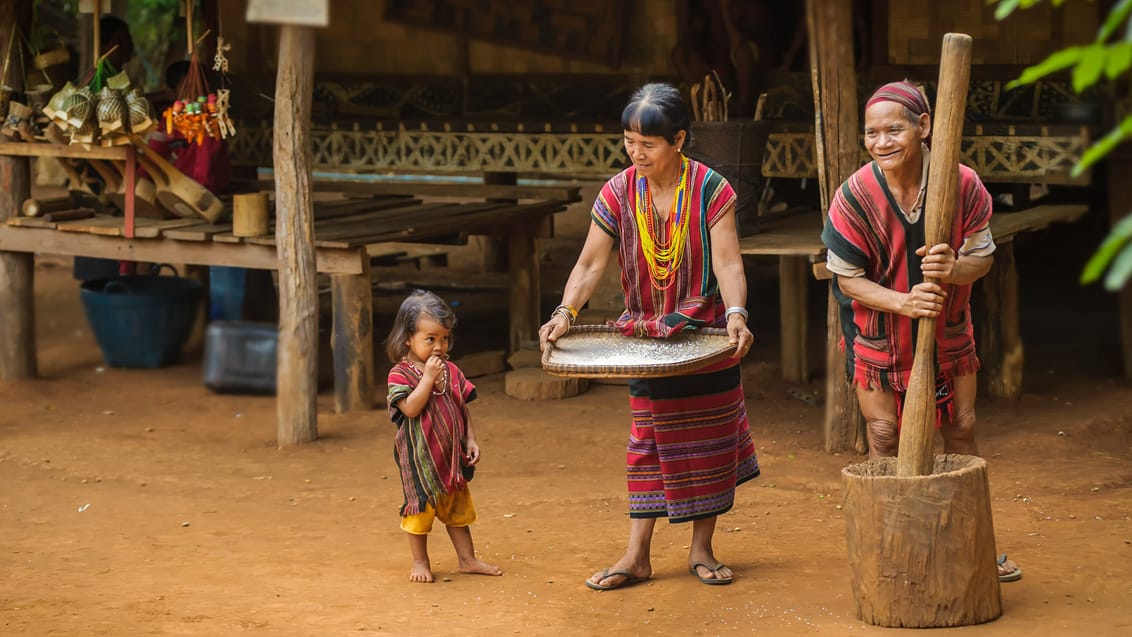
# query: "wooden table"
{"points": [[796, 241], [343, 231]]}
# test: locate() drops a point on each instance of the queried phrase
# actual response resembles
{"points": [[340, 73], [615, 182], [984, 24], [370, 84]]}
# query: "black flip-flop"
{"points": [[629, 580], [1012, 576], [713, 581]]}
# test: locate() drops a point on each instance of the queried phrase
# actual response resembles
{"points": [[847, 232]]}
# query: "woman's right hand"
{"points": [[551, 330]]}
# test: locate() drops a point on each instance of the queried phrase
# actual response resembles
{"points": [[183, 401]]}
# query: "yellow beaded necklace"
{"points": [[663, 247]]}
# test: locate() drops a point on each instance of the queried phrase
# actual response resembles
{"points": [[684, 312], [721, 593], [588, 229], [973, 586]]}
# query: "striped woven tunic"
{"points": [[429, 449], [689, 441], [867, 230]]}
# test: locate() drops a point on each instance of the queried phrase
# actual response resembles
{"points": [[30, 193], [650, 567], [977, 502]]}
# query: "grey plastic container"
{"points": [[240, 357]]}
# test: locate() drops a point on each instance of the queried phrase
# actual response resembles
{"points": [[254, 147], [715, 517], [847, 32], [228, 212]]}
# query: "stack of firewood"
{"points": [[709, 99]]}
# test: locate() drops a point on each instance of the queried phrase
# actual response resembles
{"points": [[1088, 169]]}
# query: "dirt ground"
{"points": [[138, 502]]}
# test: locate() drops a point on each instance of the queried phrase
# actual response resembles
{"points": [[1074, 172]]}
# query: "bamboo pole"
{"points": [[918, 422]]}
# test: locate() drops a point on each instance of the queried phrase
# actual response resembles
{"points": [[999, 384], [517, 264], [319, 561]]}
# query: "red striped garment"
{"points": [[693, 300], [867, 229], [429, 449], [689, 442]]}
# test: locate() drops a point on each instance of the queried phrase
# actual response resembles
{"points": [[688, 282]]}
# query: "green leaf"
{"points": [[1103, 147], [1119, 59], [1062, 59], [1089, 69], [1004, 9], [1119, 272], [1116, 16], [1116, 239]]}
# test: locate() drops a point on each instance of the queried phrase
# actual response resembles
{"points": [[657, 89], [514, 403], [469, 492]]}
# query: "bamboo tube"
{"points": [[249, 214]]}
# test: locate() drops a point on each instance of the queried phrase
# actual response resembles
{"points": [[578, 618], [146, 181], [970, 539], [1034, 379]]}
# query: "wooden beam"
{"points": [[793, 310], [523, 266], [999, 337], [297, 373], [1120, 206], [836, 128], [17, 270], [24, 149], [246, 255], [351, 338]]}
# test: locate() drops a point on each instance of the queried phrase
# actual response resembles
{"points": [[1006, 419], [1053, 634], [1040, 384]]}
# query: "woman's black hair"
{"points": [[657, 110], [419, 303]]}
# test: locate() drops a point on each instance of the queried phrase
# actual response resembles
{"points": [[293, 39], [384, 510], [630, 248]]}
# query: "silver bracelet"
{"points": [[742, 311]]}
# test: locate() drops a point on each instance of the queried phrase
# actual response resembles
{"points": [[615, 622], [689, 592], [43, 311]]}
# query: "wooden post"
{"points": [[1120, 206], [523, 263], [297, 374], [917, 426], [351, 336], [493, 250], [793, 277], [17, 269], [830, 24], [1001, 344]]}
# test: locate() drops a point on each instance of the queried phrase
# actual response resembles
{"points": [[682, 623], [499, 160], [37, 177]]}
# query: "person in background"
{"points": [[671, 221], [881, 263]]}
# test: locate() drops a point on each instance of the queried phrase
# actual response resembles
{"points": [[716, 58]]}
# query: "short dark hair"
{"points": [[657, 110], [419, 303]]}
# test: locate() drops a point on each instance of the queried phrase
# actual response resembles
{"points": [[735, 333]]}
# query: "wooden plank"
{"points": [[32, 222], [1004, 225], [524, 267], [153, 228], [567, 194], [198, 232], [45, 241], [25, 149], [464, 217], [797, 235], [104, 225]]}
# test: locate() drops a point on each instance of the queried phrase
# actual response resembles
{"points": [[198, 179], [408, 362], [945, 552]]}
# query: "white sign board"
{"points": [[311, 13]]}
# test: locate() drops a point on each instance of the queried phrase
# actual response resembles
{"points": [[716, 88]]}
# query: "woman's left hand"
{"points": [[740, 334]]}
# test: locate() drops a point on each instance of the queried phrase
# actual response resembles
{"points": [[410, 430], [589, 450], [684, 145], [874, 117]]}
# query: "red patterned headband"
{"points": [[904, 93]]}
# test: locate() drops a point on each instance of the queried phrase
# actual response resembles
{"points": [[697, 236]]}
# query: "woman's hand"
{"points": [[550, 331], [938, 262], [923, 300], [739, 334]]}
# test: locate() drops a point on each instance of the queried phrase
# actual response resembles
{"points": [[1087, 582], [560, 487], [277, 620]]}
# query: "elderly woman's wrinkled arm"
{"points": [[727, 264], [581, 284]]}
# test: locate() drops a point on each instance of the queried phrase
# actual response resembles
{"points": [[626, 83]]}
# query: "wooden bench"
{"points": [[797, 243]]}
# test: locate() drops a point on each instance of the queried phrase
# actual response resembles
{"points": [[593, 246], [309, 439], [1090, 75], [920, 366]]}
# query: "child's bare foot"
{"points": [[479, 567], [420, 572]]}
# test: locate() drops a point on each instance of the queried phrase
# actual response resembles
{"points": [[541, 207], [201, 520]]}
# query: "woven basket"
{"points": [[602, 351]]}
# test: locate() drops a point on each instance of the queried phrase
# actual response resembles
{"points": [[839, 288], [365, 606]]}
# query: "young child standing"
{"points": [[435, 446]]}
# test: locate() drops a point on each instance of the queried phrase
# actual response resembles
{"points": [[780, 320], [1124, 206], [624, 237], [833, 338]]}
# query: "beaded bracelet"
{"points": [[741, 311]]}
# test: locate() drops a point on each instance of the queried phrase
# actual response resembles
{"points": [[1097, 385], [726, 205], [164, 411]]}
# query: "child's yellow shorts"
{"points": [[454, 509]]}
